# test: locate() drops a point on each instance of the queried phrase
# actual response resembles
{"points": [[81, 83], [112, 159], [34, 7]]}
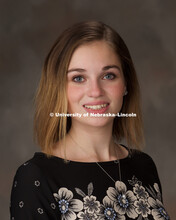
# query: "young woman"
{"points": [[86, 104]]}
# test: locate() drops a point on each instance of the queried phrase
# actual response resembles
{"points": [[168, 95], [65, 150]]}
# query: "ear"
{"points": [[125, 91]]}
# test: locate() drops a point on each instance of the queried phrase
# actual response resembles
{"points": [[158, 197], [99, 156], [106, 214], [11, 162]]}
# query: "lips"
{"points": [[96, 107]]}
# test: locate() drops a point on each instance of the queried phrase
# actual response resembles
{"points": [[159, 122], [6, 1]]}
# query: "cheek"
{"points": [[117, 90], [73, 94]]}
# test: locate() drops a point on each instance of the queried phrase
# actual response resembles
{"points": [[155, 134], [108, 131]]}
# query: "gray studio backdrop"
{"points": [[28, 29]]}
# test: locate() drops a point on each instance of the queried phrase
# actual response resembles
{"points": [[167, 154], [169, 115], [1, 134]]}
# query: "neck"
{"points": [[89, 144]]}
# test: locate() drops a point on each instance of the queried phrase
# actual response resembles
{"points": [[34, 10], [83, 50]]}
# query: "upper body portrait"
{"points": [[88, 104]]}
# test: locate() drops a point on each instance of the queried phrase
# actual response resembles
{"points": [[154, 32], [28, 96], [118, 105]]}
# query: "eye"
{"points": [[78, 79], [110, 76]]}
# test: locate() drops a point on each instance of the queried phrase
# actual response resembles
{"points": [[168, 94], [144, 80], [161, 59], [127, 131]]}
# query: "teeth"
{"points": [[96, 106]]}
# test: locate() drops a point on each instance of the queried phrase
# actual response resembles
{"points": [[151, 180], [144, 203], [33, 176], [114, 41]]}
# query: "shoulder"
{"points": [[144, 166], [27, 179], [137, 155], [31, 194], [141, 157], [28, 170], [38, 166], [30, 177]]}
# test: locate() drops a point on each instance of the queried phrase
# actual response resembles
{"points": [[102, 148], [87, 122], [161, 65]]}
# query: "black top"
{"points": [[49, 189]]}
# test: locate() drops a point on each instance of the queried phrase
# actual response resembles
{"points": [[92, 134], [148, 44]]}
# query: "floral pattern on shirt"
{"points": [[67, 205], [118, 203]]}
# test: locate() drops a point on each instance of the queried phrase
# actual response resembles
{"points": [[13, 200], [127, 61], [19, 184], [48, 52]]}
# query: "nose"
{"points": [[95, 89]]}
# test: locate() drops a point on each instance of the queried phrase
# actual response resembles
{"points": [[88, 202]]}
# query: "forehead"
{"points": [[96, 52]]}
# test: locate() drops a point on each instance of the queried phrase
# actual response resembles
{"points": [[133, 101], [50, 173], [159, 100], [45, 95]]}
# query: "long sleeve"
{"points": [[31, 197]]}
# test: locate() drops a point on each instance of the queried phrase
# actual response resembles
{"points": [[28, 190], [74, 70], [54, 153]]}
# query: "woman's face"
{"points": [[95, 83]]}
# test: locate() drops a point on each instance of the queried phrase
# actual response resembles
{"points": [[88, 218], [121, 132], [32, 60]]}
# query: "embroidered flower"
{"points": [[134, 181], [142, 208], [123, 199], [37, 183], [21, 204], [140, 192], [87, 216], [67, 205], [107, 211], [53, 206], [158, 211], [91, 205], [40, 211]]}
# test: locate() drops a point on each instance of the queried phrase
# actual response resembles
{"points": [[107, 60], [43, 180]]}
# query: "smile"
{"points": [[96, 106]]}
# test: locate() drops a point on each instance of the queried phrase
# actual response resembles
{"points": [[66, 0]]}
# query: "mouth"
{"points": [[96, 107]]}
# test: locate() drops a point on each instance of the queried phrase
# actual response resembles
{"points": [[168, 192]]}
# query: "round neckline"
{"points": [[74, 162]]}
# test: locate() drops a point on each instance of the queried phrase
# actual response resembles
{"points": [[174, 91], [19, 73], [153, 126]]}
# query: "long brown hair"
{"points": [[51, 93]]}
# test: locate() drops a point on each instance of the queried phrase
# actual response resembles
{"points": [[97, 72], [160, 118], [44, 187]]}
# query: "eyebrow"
{"points": [[104, 68]]}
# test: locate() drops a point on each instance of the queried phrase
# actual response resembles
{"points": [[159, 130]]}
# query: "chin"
{"points": [[98, 122]]}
